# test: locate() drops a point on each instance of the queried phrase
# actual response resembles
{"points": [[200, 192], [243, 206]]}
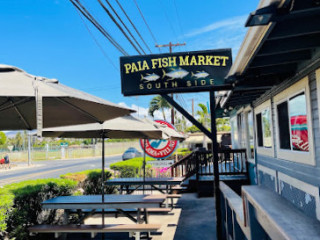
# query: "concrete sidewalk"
{"points": [[197, 219]]}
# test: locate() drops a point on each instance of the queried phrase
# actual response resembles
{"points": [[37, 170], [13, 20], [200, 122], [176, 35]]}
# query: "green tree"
{"points": [[192, 129], [158, 103], [18, 140], [180, 123], [3, 138], [223, 124]]}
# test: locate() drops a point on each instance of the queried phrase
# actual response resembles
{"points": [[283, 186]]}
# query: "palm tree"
{"points": [[204, 120], [203, 114], [158, 103]]}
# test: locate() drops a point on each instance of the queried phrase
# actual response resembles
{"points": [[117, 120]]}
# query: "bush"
{"points": [[90, 181], [130, 168], [20, 205], [183, 151]]}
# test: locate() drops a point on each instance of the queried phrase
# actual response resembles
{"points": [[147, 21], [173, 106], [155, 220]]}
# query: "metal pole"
{"points": [[102, 176], [215, 165], [144, 163], [29, 149]]}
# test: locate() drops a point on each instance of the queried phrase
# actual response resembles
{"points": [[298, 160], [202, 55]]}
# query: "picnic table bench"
{"points": [[93, 203], [129, 210], [132, 229], [112, 201], [129, 185]]}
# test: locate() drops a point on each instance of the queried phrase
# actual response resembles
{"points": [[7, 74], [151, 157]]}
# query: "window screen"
{"points": [[266, 128], [298, 122]]}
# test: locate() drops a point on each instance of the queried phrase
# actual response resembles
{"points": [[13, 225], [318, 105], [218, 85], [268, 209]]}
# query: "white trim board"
{"points": [[269, 171]]}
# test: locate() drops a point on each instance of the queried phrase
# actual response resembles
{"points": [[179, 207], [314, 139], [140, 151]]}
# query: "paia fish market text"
{"points": [[174, 61]]}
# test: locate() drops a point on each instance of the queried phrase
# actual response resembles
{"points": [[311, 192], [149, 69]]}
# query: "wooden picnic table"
{"points": [[111, 201], [154, 183]]}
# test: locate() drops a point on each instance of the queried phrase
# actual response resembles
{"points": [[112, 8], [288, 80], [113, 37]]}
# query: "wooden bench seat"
{"points": [[178, 189], [163, 188], [278, 217], [171, 196], [115, 211], [174, 195], [94, 229]]}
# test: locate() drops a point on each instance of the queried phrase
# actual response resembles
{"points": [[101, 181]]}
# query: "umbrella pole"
{"points": [[103, 177], [144, 162]]}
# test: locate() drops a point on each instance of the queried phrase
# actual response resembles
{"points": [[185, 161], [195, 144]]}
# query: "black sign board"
{"points": [[175, 72]]}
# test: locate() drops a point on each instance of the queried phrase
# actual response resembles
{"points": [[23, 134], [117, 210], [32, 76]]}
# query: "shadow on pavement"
{"points": [[197, 219]]}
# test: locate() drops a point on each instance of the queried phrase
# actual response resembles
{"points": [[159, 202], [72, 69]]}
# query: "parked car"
{"points": [[131, 153]]}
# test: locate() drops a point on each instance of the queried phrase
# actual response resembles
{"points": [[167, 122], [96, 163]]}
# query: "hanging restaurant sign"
{"points": [[175, 72]]}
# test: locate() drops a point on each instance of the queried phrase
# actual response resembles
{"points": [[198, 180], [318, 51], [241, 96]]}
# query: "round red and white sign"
{"points": [[159, 148]]}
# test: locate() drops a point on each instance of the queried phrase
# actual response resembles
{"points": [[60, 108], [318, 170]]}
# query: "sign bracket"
{"points": [[213, 136]]}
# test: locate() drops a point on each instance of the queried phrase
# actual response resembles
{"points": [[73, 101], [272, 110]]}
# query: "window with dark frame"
{"points": [[250, 132], [259, 130], [292, 123], [283, 124]]}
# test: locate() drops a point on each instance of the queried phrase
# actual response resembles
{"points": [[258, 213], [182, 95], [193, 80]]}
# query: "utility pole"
{"points": [[170, 45], [192, 107], [192, 104]]}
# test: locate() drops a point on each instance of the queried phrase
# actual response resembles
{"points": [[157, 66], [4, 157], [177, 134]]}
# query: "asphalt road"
{"points": [[52, 169]]}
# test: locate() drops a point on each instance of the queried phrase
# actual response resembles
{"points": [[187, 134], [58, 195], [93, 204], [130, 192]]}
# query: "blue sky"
{"points": [[48, 38]]}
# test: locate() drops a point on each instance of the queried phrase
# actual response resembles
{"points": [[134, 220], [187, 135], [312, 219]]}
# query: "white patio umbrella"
{"points": [[30, 102], [121, 127], [170, 132]]}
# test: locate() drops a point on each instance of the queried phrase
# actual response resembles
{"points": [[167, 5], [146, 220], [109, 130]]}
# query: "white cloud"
{"points": [[229, 23], [228, 33], [143, 112]]}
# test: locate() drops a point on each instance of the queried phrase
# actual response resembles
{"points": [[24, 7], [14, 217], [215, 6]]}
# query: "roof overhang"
{"points": [[275, 51]]}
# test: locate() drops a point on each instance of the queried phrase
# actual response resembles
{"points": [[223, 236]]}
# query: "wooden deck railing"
{"points": [[231, 162], [185, 167]]}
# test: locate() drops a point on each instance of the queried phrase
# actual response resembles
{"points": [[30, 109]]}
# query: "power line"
{"points": [[97, 43], [154, 39], [87, 15], [168, 20], [118, 25], [178, 17], [133, 26], [115, 12]]}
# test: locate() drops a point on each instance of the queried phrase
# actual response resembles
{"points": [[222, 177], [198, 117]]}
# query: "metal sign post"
{"points": [[215, 164], [144, 162]]}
